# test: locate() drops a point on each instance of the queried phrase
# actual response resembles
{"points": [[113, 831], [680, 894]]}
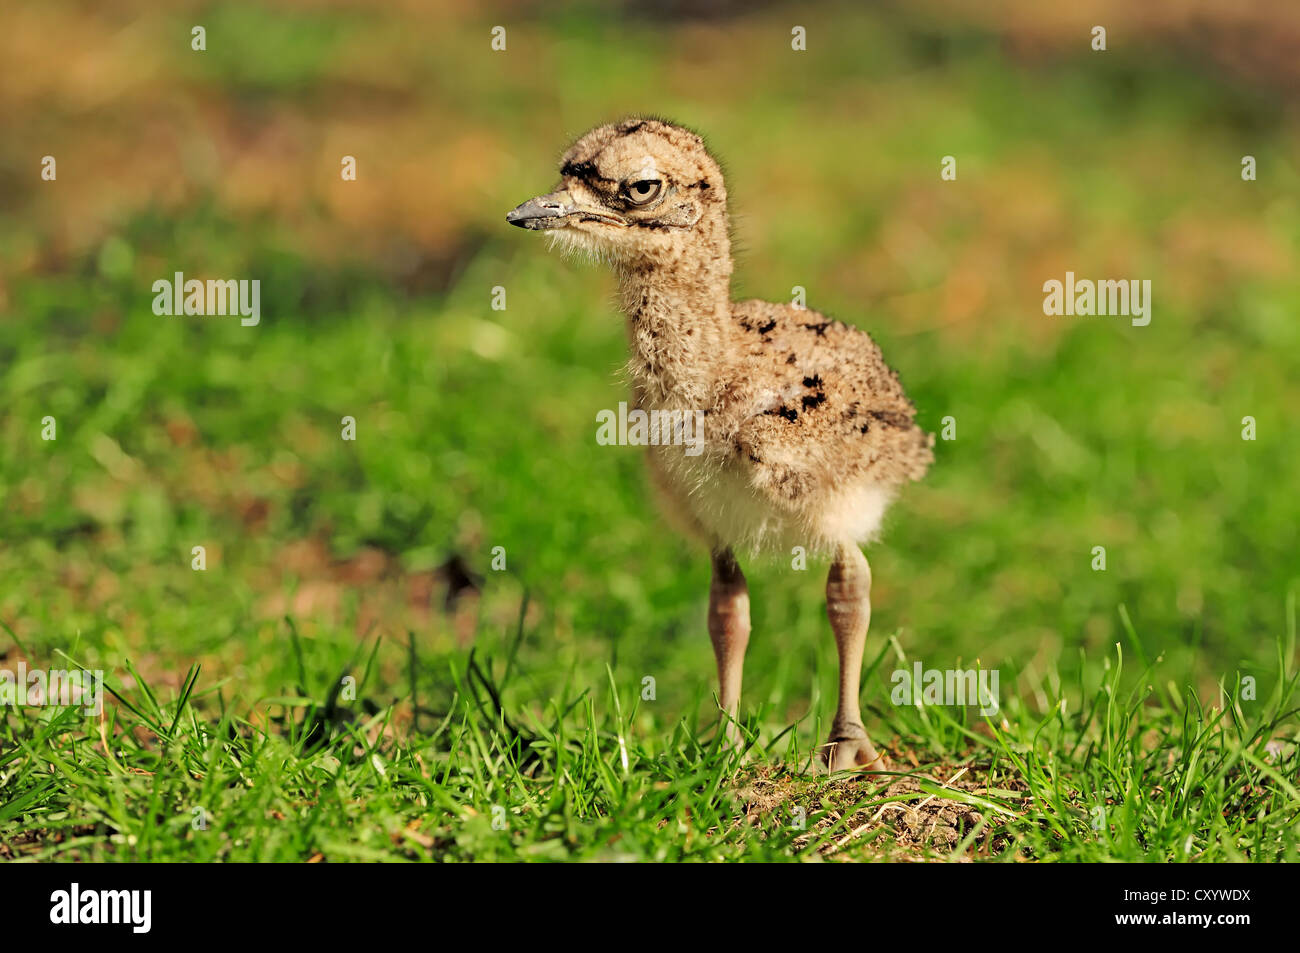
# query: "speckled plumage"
{"points": [[805, 417], [807, 433]]}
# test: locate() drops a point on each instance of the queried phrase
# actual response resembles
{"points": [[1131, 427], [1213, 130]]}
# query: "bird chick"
{"points": [[807, 433]]}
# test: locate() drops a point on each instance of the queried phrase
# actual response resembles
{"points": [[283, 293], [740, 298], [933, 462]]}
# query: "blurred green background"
{"points": [[476, 427]]}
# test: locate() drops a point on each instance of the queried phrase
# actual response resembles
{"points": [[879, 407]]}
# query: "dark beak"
{"points": [[545, 211]]}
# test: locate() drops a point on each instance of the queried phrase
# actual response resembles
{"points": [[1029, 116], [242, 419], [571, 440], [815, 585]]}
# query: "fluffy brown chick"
{"points": [[806, 433]]}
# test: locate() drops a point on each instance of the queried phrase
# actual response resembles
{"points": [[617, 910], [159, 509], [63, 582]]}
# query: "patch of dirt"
{"points": [[32, 841], [894, 816]]}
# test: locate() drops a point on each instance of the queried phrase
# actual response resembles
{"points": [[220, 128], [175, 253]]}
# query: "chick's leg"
{"points": [[729, 632], [848, 606]]}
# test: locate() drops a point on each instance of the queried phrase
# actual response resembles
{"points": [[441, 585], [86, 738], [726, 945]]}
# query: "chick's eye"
{"points": [[643, 191]]}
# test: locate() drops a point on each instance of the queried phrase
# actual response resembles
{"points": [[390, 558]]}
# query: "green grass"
{"points": [[514, 723], [1141, 774]]}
